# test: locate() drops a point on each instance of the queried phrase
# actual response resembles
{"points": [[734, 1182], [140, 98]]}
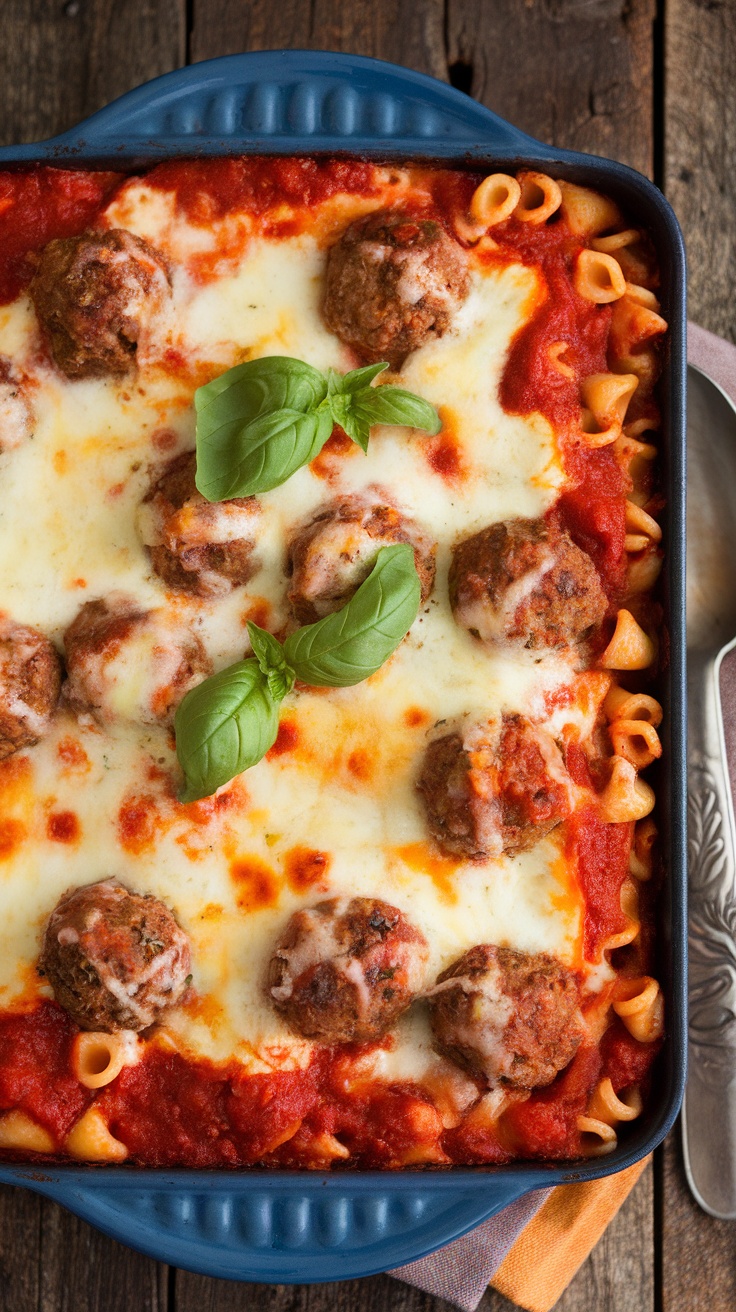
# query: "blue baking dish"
{"points": [[277, 1226]]}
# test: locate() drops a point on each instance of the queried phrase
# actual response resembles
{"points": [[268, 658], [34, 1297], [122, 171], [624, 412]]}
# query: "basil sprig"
{"points": [[227, 723], [261, 421]]}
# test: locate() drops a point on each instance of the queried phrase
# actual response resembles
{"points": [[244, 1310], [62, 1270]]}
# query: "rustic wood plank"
{"points": [[198, 1294], [575, 73], [60, 61], [408, 34], [698, 1253], [20, 1249], [84, 1271], [699, 150]]}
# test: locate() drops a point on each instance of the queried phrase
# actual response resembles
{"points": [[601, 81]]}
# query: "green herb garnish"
{"points": [[261, 421], [227, 723]]}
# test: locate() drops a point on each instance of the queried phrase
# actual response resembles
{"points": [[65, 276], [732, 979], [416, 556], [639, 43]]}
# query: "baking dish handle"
{"points": [[281, 1228], [285, 102]]}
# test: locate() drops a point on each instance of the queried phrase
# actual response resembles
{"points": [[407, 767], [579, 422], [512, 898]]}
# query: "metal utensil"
{"points": [[709, 1110]]}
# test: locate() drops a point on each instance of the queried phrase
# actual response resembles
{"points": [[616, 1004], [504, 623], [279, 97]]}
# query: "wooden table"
{"points": [[649, 82]]}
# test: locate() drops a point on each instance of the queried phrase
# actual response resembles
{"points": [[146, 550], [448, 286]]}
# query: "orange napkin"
{"points": [[555, 1243]]}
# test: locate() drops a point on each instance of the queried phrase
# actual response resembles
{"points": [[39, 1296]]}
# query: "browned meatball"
{"points": [[343, 970], [512, 1018], [394, 280], [330, 558], [115, 959], [494, 787], [129, 664], [94, 295], [30, 680], [196, 545], [524, 581]]}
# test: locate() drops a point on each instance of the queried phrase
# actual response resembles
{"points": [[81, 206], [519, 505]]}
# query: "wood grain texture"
{"points": [[84, 1271], [619, 1274], [62, 59], [20, 1250], [575, 73], [198, 1294], [698, 1253], [700, 148], [411, 34]]}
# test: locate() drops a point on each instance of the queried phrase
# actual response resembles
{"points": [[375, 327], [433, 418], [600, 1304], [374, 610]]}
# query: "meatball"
{"points": [[494, 788], [195, 545], [394, 281], [30, 680], [336, 551], [343, 970], [524, 581], [94, 296], [115, 959], [124, 663], [511, 1018]]}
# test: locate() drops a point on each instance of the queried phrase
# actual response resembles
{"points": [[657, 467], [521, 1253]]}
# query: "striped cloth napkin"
{"points": [[531, 1251]]}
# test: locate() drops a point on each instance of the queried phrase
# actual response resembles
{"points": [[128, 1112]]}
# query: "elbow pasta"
{"points": [[625, 797], [90, 1139], [622, 705], [540, 198], [641, 858], [642, 530], [587, 212], [630, 647], [605, 401], [598, 277], [495, 199], [19, 1131], [630, 908], [636, 741], [606, 1110], [641, 1008], [98, 1058]]}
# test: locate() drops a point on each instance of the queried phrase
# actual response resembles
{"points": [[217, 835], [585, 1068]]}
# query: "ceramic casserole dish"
{"points": [[277, 1226]]}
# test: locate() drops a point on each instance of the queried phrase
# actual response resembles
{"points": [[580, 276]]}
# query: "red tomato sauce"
{"points": [[63, 827], [35, 1068], [625, 1060], [209, 189], [545, 1125], [37, 205], [593, 508], [599, 852]]}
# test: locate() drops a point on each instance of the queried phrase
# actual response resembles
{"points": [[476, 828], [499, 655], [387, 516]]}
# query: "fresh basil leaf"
{"points": [[358, 379], [357, 429], [394, 405], [223, 726], [269, 653], [260, 422], [344, 648], [257, 424]]}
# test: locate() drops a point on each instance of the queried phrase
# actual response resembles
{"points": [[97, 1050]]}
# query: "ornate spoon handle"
{"points": [[709, 1110]]}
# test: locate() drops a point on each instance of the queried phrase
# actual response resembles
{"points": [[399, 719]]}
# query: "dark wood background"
{"points": [[648, 82]]}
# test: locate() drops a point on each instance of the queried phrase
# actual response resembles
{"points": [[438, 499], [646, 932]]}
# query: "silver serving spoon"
{"points": [[709, 1110]]}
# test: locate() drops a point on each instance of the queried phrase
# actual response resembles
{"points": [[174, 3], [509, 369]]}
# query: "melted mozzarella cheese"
{"points": [[346, 790]]}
